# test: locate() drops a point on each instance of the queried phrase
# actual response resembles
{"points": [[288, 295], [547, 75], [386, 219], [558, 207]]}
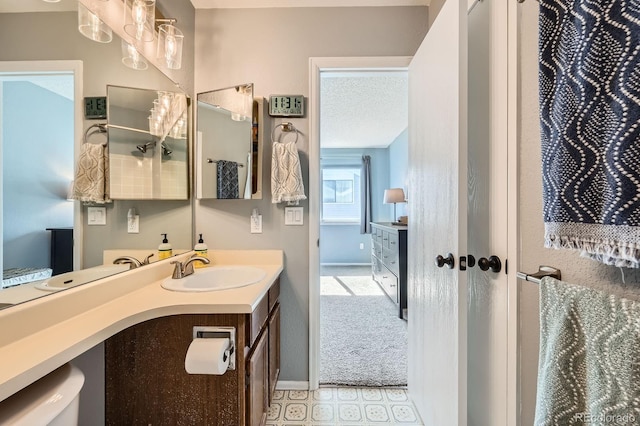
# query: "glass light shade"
{"points": [[90, 26], [132, 58], [51, 1], [394, 195], [170, 41], [155, 127], [139, 19]]}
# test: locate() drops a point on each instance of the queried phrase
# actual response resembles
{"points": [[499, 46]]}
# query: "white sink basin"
{"points": [[216, 278], [75, 278]]}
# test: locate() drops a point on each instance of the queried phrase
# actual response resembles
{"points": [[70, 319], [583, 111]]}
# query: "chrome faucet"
{"points": [[132, 261], [184, 270]]}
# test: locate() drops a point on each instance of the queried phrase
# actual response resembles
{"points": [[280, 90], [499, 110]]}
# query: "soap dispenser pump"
{"points": [[201, 250], [164, 249]]}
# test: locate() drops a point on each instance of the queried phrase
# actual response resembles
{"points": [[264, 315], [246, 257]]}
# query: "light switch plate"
{"points": [[96, 215], [293, 216]]}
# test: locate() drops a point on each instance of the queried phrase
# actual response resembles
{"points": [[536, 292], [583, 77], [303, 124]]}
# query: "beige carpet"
{"points": [[362, 340]]}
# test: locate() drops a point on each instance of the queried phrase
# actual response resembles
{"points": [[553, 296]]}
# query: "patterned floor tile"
{"points": [[342, 406], [376, 413]]}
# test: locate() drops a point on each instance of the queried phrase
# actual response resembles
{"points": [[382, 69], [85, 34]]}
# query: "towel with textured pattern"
{"points": [[227, 180], [589, 365], [91, 184], [589, 77], [286, 175]]}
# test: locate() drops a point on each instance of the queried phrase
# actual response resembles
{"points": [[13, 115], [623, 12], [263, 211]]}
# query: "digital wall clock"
{"points": [[286, 106], [95, 107]]}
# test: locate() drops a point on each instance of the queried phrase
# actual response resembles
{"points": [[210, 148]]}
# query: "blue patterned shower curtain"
{"points": [[589, 79]]}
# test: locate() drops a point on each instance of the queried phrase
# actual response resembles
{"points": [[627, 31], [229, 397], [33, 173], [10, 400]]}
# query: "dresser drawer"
{"points": [[389, 284], [390, 260], [385, 239], [393, 241], [376, 250]]}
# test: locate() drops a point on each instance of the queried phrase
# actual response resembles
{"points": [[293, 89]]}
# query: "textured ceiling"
{"points": [[363, 109]]}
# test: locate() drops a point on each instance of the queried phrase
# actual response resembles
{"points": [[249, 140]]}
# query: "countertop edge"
{"points": [[39, 353]]}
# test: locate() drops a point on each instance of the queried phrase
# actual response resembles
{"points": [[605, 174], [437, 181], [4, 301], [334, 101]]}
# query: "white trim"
{"points": [[291, 385], [253, 4], [513, 320], [74, 66], [316, 65]]}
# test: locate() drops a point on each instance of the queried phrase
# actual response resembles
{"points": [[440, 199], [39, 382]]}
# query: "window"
{"points": [[341, 194]]}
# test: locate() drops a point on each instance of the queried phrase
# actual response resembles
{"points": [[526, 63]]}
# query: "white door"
{"points": [[437, 220], [487, 219], [458, 203]]}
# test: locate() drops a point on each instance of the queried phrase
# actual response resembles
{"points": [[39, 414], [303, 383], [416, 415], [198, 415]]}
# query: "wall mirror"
{"points": [[148, 157], [42, 150], [228, 160]]}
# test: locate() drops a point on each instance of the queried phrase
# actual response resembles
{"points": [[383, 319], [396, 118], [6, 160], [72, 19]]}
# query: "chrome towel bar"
{"points": [[543, 271]]}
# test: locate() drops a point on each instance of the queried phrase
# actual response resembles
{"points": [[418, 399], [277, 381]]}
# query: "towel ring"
{"points": [[100, 128], [286, 127]]}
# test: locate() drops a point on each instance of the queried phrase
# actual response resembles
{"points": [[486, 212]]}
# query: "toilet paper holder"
{"points": [[210, 332]]}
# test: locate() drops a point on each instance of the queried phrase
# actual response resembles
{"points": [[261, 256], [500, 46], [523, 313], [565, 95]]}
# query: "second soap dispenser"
{"points": [[164, 250], [201, 250]]}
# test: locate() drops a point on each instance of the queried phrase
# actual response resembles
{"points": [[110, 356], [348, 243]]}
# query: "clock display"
{"points": [[95, 107], [286, 106]]}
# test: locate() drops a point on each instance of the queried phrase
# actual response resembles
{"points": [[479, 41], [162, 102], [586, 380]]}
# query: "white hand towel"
{"points": [[91, 184], [286, 175], [247, 184]]}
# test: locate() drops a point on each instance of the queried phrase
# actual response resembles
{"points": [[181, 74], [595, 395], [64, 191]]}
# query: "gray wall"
{"points": [[532, 253], [271, 48]]}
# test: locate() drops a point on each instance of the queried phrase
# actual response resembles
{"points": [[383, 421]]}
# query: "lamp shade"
{"points": [[394, 195]]}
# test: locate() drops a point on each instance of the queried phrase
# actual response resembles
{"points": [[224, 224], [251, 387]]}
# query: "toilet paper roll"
{"points": [[207, 356]]}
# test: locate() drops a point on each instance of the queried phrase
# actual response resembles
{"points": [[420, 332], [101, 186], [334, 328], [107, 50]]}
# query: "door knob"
{"points": [[492, 263], [449, 261]]}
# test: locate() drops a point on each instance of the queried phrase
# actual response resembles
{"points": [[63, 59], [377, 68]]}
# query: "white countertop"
{"points": [[43, 334]]}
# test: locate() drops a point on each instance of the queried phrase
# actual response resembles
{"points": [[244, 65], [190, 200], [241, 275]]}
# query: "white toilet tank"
{"points": [[53, 400]]}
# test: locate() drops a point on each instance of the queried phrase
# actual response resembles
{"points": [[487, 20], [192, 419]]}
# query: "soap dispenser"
{"points": [[201, 250], [164, 249]]}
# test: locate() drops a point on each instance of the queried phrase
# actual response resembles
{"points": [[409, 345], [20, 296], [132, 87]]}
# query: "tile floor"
{"points": [[331, 406]]}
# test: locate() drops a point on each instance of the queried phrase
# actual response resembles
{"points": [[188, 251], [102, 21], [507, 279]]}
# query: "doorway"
{"points": [[334, 172], [39, 137]]}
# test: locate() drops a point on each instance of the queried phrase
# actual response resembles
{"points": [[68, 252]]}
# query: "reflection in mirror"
{"points": [[49, 130], [148, 155], [228, 154]]}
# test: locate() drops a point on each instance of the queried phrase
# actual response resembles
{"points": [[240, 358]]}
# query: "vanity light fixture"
{"points": [[132, 58], [139, 19], [91, 26], [394, 195], [170, 40]]}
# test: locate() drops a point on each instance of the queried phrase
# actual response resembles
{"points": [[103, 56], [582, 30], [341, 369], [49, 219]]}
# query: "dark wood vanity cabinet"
{"points": [[146, 382]]}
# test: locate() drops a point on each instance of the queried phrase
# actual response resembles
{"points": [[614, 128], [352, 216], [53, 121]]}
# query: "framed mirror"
{"points": [[228, 159], [148, 157]]}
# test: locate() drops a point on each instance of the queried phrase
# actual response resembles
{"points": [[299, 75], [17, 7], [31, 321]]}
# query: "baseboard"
{"points": [[345, 264], [290, 385]]}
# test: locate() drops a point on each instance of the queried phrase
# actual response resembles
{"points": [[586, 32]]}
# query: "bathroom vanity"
{"points": [[147, 330], [146, 381]]}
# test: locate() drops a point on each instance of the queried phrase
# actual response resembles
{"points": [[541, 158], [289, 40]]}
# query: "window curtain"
{"points": [[365, 211]]}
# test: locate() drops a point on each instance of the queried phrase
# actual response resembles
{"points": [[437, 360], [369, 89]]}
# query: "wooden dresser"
{"points": [[389, 261]]}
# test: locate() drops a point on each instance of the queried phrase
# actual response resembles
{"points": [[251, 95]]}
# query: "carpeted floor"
{"points": [[362, 340]]}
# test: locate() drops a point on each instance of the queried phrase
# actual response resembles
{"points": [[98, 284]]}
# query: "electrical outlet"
{"points": [[361, 246], [256, 224], [133, 224]]}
